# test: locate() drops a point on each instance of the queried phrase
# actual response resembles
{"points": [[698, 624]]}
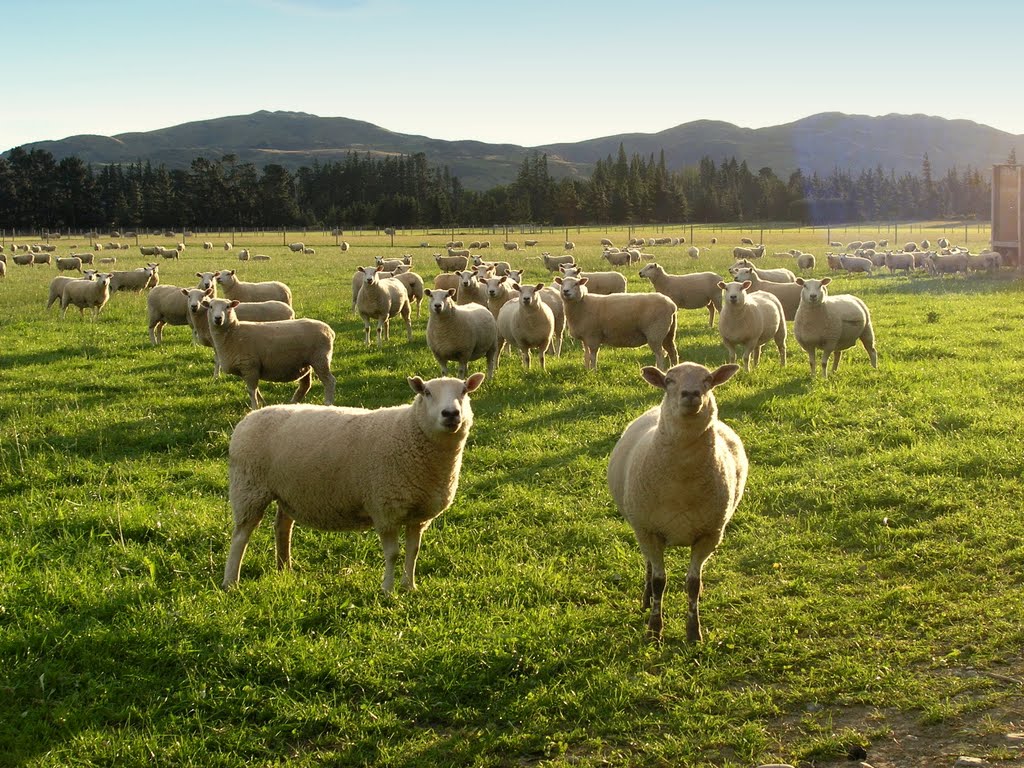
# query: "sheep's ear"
{"points": [[746, 285], [583, 281], [199, 274], [722, 375], [427, 292], [539, 287], [826, 280], [417, 385], [473, 382], [561, 267], [503, 278], [360, 269], [184, 292], [451, 293], [209, 291], [235, 303], [558, 280], [653, 376], [799, 281], [721, 284]]}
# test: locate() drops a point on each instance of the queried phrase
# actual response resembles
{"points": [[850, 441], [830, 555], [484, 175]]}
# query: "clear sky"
{"points": [[526, 72]]}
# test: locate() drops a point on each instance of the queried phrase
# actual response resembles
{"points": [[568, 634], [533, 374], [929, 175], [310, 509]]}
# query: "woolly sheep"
{"points": [[606, 241], [529, 243], [868, 244], [87, 258], [309, 251], [243, 255], [620, 320], [693, 291], [856, 264], [746, 253], [453, 262], [278, 350], [746, 241], [498, 267], [714, 241], [206, 279], [751, 320], [149, 250], [42, 258], [910, 247], [207, 246], [470, 290], [108, 260], [832, 259], [487, 243], [281, 452], [693, 252], [165, 305], [527, 323], [23, 259], [805, 262], [937, 264], [901, 260], [552, 263], [390, 265], [58, 283], [499, 290], [787, 293], [511, 246], [343, 245], [835, 245], [603, 283], [3, 270], [677, 475], [474, 244], [621, 258], [569, 245], [446, 281], [925, 245], [413, 287], [228, 246], [69, 264], [780, 275], [260, 257], [135, 280], [271, 290], [296, 247], [180, 247], [831, 324], [853, 245], [86, 293], [460, 333], [380, 300], [167, 253]]}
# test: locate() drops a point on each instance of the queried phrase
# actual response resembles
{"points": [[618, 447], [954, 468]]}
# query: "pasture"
{"points": [[867, 592]]}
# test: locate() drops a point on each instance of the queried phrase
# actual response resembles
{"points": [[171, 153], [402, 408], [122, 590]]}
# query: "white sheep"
{"points": [[677, 475], [604, 283], [834, 244], [58, 283], [527, 323], [454, 262], [165, 305], [692, 291], [619, 320], [511, 246], [805, 262], [779, 275], [296, 247], [243, 255], [693, 252], [857, 264], [499, 290], [391, 265], [910, 247], [380, 300], [552, 263], [69, 264], [279, 350], [619, 258], [460, 333], [135, 280], [149, 250], [228, 246], [470, 290], [344, 245], [235, 289], [207, 246], [746, 241], [925, 245], [787, 293], [309, 251], [831, 324], [751, 320], [868, 245], [853, 245], [391, 469], [607, 242], [899, 260], [86, 293], [569, 245], [413, 287]]}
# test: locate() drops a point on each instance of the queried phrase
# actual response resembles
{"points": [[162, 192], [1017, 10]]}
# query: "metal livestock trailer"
{"points": [[1007, 213]]}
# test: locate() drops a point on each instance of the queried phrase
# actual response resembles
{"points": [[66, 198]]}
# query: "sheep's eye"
{"points": [[426, 393]]}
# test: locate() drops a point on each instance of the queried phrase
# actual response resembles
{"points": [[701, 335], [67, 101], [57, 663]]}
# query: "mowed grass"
{"points": [[873, 572]]}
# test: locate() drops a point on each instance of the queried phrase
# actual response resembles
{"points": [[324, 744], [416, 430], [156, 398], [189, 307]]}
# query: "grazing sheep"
{"points": [[454, 262], [552, 263], [805, 262], [380, 300], [166, 305], [58, 283], [136, 280], [831, 324], [527, 323], [309, 251], [693, 252], [832, 259], [780, 275], [835, 245], [925, 245], [787, 293], [23, 259], [108, 260], [149, 250], [607, 242], [853, 245], [250, 311], [391, 469], [271, 290], [42, 258], [692, 291], [569, 245], [277, 350], [474, 245], [487, 243], [390, 265], [511, 246], [746, 241], [621, 258], [620, 320], [937, 264], [530, 243], [69, 264], [243, 255], [260, 257], [344, 245], [460, 333], [856, 264], [228, 246], [901, 260], [603, 283], [677, 475], [910, 247], [86, 258], [86, 293], [207, 246], [751, 320], [167, 253], [868, 245], [746, 253]]}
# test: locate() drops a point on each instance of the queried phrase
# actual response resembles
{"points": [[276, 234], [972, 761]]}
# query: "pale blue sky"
{"points": [[526, 72]]}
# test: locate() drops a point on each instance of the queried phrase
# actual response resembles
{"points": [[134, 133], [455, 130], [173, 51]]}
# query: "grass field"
{"points": [[867, 593]]}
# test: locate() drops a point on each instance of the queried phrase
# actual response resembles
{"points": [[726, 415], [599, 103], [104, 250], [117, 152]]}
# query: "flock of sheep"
{"points": [[321, 464]]}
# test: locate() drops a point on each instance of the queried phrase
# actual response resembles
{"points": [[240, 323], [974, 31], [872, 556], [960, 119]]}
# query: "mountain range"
{"points": [[816, 144]]}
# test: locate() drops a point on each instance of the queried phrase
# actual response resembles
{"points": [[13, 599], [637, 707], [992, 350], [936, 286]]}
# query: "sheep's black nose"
{"points": [[450, 414]]}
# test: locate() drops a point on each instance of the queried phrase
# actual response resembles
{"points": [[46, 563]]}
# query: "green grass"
{"points": [[875, 563]]}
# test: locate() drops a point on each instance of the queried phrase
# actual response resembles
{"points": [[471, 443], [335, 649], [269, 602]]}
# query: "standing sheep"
{"points": [[86, 293], [527, 323], [460, 333], [165, 305], [692, 291], [380, 300], [391, 469], [235, 289], [751, 320], [677, 475], [831, 324], [787, 293]]}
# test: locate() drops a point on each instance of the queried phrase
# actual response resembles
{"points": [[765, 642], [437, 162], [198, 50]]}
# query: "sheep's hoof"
{"points": [[654, 628]]}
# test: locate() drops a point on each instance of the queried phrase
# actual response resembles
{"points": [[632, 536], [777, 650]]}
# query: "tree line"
{"points": [[38, 193]]}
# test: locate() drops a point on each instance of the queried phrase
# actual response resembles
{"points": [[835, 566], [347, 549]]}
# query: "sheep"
{"points": [[228, 246], [853, 245], [277, 350], [693, 252], [250, 311], [413, 287], [309, 251], [499, 291], [108, 260], [714, 241], [511, 246], [149, 250], [805, 262], [69, 263], [780, 275], [180, 247], [243, 255], [692, 291], [833, 262], [677, 475], [499, 267], [746, 253], [260, 257], [165, 305], [787, 293], [446, 281], [603, 283], [527, 323], [937, 264], [552, 263], [454, 244], [835, 245], [569, 245], [606, 242], [167, 253], [901, 260], [474, 245], [207, 246], [856, 264], [58, 283], [380, 300], [460, 333], [271, 290], [3, 270], [910, 247], [86, 293], [925, 245], [621, 258], [831, 324], [207, 279], [470, 290], [454, 262], [620, 320], [487, 243], [281, 453], [868, 245], [135, 280], [390, 265], [42, 258], [22, 259], [746, 241], [751, 320], [343, 245], [296, 247]]}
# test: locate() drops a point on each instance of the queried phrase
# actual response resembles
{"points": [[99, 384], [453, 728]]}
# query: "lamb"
{"points": [[69, 263], [552, 263], [856, 264], [831, 324], [693, 291], [271, 290], [511, 246], [751, 320], [58, 283], [309, 251], [620, 320], [693, 252], [250, 311], [787, 293], [454, 262], [901, 260], [527, 323], [278, 350], [461, 333], [166, 305], [603, 283], [677, 475], [780, 275], [805, 262], [281, 452], [135, 280], [86, 293], [380, 300]]}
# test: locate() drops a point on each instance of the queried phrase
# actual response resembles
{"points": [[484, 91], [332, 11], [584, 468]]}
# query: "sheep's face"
{"points": [[482, 271], [735, 293], [222, 311], [225, 279], [467, 278], [194, 298], [440, 301], [444, 403], [515, 275], [569, 270], [649, 271], [103, 278], [573, 288], [494, 285], [370, 275], [528, 294], [813, 292], [205, 279], [688, 387], [743, 274]]}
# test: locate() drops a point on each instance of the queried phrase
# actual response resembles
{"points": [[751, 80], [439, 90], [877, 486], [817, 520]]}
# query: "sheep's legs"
{"points": [[389, 543], [413, 535], [700, 551], [244, 526], [835, 360], [653, 549], [305, 382], [283, 525], [810, 356]]}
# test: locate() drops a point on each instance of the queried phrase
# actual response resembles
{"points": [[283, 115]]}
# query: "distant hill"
{"points": [[818, 143]]}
